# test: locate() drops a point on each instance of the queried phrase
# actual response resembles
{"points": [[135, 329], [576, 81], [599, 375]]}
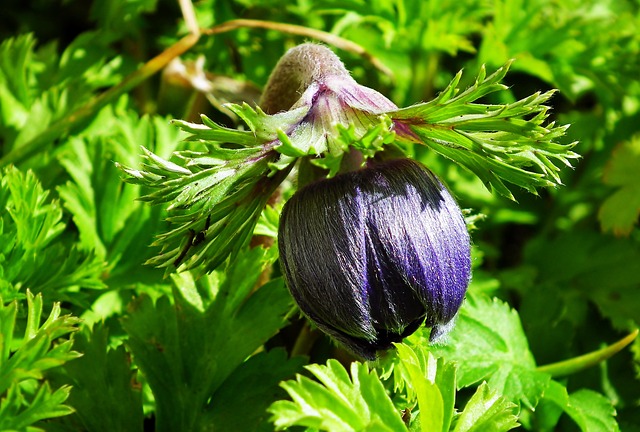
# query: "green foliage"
{"points": [[26, 397], [433, 384], [359, 402], [488, 343], [109, 220], [104, 397], [591, 411], [620, 211], [259, 376], [339, 402], [211, 340], [30, 240], [486, 410], [218, 317], [495, 142]]}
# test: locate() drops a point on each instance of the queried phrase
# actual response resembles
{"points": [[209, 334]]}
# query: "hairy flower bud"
{"points": [[372, 254]]}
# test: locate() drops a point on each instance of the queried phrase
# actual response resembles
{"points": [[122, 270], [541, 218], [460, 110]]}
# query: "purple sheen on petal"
{"points": [[372, 254], [360, 97]]}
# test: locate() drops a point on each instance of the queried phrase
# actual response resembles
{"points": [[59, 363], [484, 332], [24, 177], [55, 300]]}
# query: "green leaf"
{"points": [[592, 411], [496, 142], [258, 377], [433, 382], [551, 406], [19, 411], [110, 221], [30, 240], [267, 127], [338, 401], [103, 396], [488, 343], [25, 398], [487, 411], [215, 196], [217, 316], [619, 212], [593, 266], [16, 55]]}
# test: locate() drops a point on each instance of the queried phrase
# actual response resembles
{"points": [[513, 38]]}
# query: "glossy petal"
{"points": [[371, 255]]}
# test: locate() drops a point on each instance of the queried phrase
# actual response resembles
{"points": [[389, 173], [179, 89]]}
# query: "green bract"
{"points": [[216, 196]]}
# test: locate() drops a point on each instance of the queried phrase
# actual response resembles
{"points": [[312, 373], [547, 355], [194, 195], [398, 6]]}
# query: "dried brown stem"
{"points": [[320, 35]]}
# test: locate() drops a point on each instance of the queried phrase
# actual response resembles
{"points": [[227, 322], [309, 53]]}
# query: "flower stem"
{"points": [[305, 340], [577, 364]]}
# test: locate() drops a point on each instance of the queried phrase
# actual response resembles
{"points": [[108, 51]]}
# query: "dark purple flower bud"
{"points": [[370, 255]]}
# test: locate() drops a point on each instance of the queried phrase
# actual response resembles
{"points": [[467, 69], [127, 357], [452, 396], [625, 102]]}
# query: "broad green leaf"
{"points": [[241, 402], [104, 396], [219, 318], [619, 212], [592, 411], [488, 344], [487, 411], [339, 401], [551, 406], [595, 267]]}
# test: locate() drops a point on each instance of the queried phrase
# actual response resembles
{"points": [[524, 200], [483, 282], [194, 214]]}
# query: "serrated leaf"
{"points": [[433, 383], [266, 127], [216, 316], [487, 411], [619, 212], [496, 142], [488, 343], [339, 401], [45, 404], [104, 397], [30, 240], [592, 411], [259, 376], [25, 398], [126, 228]]}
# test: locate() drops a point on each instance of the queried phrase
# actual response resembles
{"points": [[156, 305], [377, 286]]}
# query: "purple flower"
{"points": [[372, 254]]}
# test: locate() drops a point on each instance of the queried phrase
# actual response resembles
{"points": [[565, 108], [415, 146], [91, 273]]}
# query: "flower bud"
{"points": [[372, 254]]}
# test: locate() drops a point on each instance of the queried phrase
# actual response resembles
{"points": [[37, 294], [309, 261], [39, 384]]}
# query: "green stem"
{"points": [[305, 340], [69, 122], [577, 364]]}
